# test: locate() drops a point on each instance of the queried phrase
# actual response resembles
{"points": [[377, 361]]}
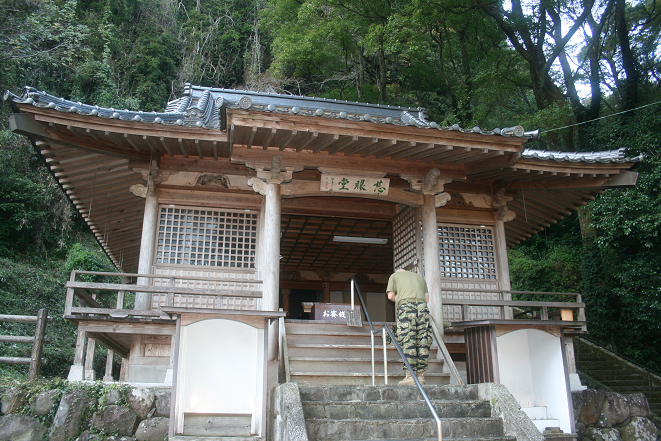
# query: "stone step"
{"points": [[401, 394], [435, 438], [401, 429], [216, 438], [360, 378], [298, 365], [609, 369], [386, 410], [636, 382]]}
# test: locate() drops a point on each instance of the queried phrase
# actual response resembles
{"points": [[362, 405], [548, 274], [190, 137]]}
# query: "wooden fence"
{"points": [[35, 361]]}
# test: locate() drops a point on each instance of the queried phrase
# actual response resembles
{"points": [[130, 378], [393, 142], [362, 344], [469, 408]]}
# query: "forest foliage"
{"points": [[586, 73]]}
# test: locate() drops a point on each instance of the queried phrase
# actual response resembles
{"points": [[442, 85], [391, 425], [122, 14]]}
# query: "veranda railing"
{"points": [[109, 299]]}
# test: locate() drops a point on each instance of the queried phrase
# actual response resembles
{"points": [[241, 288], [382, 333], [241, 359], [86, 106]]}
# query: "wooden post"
{"points": [[124, 370], [432, 260], [89, 360], [68, 303], [502, 265], [77, 371], [325, 296], [271, 270], [38, 346], [107, 376], [147, 242], [285, 300]]}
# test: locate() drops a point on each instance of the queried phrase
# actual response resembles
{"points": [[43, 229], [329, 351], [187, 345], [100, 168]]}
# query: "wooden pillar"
{"points": [[147, 242], [77, 371], [267, 183], [107, 376], [271, 261], [500, 242], [286, 293], [89, 360], [124, 370], [432, 260], [325, 296], [38, 345]]}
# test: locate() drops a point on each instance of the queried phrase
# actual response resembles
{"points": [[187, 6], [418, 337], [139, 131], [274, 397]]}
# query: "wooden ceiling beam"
{"points": [[531, 202], [269, 138], [488, 155], [182, 147], [90, 171], [251, 137], [352, 163], [198, 147], [102, 181], [382, 145], [289, 139], [371, 130], [460, 159], [313, 137], [323, 144], [351, 140], [394, 150], [167, 148], [358, 148], [430, 146]]}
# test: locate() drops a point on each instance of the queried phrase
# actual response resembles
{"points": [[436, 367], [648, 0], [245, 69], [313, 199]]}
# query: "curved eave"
{"points": [[98, 186], [545, 191]]}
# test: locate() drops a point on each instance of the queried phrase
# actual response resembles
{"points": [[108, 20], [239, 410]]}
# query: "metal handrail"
{"points": [[385, 329]]}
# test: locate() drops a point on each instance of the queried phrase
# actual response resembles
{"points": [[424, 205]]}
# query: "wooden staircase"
{"points": [[325, 353]]}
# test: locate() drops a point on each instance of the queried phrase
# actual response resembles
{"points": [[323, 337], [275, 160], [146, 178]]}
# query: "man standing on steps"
{"points": [[409, 292]]}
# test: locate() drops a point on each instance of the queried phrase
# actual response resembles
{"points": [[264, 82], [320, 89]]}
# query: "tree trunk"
{"points": [[630, 88], [381, 72]]}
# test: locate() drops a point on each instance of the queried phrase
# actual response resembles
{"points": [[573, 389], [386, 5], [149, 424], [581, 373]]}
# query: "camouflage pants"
{"points": [[414, 334]]}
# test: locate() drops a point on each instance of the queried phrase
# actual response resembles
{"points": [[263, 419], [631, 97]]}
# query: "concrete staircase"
{"points": [[333, 353], [602, 368], [344, 412]]}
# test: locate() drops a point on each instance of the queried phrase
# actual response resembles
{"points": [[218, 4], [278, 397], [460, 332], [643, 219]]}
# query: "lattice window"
{"points": [[467, 252], [190, 236], [406, 235]]}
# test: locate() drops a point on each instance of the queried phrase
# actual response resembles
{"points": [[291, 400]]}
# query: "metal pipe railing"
{"points": [[385, 328]]}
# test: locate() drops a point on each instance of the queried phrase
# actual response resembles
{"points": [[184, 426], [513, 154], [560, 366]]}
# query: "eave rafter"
{"points": [[334, 137]]}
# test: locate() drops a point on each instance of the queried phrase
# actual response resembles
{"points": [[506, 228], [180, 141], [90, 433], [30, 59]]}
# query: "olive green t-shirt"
{"points": [[407, 286]]}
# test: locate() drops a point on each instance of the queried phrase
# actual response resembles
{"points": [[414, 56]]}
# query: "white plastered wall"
{"points": [[532, 368], [220, 370]]}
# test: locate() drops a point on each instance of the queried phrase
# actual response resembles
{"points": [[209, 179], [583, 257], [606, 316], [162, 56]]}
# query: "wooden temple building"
{"points": [[231, 209]]}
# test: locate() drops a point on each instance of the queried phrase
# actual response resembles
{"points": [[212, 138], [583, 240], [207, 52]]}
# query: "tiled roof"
{"points": [[608, 156], [200, 107]]}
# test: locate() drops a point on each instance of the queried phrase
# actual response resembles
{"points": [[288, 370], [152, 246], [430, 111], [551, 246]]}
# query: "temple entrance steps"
{"points": [[606, 369], [333, 353], [334, 413], [216, 438]]}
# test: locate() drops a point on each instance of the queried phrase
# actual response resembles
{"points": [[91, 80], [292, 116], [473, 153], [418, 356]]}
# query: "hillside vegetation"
{"points": [[586, 73]]}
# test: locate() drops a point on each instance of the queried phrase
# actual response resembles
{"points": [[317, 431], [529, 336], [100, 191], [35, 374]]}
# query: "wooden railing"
{"points": [[108, 299], [35, 360], [565, 306]]}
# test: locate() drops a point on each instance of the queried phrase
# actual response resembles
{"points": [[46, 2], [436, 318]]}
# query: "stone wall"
{"points": [[63, 411], [607, 416]]}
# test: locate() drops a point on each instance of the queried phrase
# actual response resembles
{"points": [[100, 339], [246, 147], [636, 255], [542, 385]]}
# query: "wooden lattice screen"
{"points": [[207, 244], [407, 240], [468, 261]]}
